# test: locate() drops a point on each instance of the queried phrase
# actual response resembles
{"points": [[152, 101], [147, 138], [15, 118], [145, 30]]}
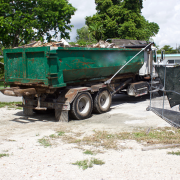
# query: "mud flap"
{"points": [[61, 115]]}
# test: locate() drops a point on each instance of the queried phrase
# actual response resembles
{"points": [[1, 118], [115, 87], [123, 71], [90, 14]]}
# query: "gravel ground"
{"points": [[29, 160]]}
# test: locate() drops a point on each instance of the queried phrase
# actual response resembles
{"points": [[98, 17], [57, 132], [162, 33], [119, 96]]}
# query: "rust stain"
{"points": [[85, 63], [68, 65]]}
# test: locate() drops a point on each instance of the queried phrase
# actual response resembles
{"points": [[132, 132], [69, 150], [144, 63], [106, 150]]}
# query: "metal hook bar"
{"points": [[109, 81]]}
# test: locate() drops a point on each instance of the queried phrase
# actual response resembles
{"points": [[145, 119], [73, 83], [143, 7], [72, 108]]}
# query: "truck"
{"points": [[76, 81]]}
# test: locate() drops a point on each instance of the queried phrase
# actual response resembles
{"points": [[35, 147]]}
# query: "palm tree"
{"points": [[96, 30]]}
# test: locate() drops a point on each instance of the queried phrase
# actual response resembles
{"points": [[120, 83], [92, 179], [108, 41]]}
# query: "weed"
{"points": [[83, 164], [155, 136], [97, 161], [175, 153], [38, 134], [21, 148], [89, 152], [88, 163], [103, 139], [45, 142], [61, 133], [9, 104], [52, 136], [11, 140], [2, 155], [110, 141]]}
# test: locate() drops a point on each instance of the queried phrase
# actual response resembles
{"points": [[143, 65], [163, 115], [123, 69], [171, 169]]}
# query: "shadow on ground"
{"points": [[119, 99]]}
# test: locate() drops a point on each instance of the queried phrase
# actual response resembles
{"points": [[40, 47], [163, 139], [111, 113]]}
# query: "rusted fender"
{"points": [[18, 92]]}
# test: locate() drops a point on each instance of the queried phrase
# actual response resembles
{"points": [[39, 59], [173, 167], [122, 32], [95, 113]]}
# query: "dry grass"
{"points": [[155, 136], [110, 141]]}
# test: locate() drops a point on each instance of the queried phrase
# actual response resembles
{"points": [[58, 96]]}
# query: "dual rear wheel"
{"points": [[84, 104]]}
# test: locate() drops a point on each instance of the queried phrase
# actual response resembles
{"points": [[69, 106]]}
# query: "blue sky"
{"points": [[166, 13]]}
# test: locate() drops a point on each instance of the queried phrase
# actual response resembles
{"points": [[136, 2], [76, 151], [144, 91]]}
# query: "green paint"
{"points": [[58, 67]]}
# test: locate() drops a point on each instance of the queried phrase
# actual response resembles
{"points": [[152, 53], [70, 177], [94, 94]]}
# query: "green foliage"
{"points": [[84, 37], [2, 155], [22, 20], [84, 164], [89, 152], [72, 43], [122, 19], [97, 161], [45, 142], [61, 133], [9, 104], [175, 153], [88, 163], [168, 50], [97, 30]]}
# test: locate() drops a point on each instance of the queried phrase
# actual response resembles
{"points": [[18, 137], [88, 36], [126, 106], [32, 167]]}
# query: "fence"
{"points": [[164, 101]]}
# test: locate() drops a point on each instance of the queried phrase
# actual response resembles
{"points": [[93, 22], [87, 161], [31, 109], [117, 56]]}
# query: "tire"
{"points": [[102, 101], [28, 112], [82, 106]]}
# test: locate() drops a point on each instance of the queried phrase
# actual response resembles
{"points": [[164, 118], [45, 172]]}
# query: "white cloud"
{"points": [[165, 13], [84, 8]]}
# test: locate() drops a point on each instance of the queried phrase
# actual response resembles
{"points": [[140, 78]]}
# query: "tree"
{"points": [[168, 50], [24, 20], [122, 19], [84, 36], [97, 30]]}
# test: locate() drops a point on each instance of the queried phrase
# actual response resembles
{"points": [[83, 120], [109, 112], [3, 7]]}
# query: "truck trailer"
{"points": [[76, 81]]}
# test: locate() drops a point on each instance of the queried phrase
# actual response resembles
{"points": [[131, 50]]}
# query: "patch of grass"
{"points": [[88, 163], [10, 105], [101, 138], [61, 133], [97, 161], [83, 164], [52, 136], [2, 155], [89, 152], [12, 140], [175, 153], [107, 140], [45, 142], [155, 136]]}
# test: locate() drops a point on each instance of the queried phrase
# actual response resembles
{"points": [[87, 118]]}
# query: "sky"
{"points": [[166, 13]]}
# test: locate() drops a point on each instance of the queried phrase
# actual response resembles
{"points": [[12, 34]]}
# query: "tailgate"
{"points": [[26, 65]]}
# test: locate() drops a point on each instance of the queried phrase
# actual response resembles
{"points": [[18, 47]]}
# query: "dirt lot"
{"points": [[22, 138]]}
